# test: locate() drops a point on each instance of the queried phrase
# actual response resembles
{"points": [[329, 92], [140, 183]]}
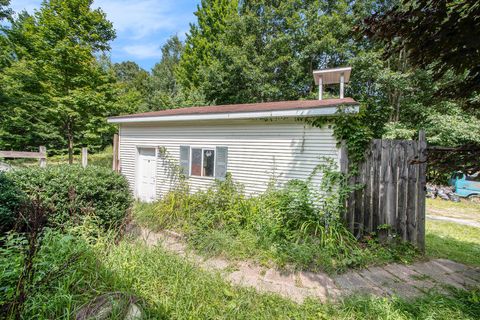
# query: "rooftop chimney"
{"points": [[332, 76]]}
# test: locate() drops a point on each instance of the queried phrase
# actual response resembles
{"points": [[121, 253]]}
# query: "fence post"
{"points": [[115, 153], [84, 157], [421, 189], [43, 159]]}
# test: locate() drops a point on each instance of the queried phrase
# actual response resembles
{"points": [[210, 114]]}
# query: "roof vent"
{"points": [[331, 76]]}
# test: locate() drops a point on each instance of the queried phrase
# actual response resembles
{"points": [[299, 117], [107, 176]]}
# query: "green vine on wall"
{"points": [[352, 128]]}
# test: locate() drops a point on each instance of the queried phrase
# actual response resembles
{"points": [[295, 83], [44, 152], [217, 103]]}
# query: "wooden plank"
{"points": [[43, 160], [401, 195], [22, 154], [421, 189], [359, 213], [367, 202], [384, 176], [376, 154], [115, 153], [383, 181], [411, 193], [84, 157], [393, 191], [351, 206]]}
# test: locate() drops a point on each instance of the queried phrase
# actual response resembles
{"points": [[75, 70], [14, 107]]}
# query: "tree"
{"points": [[5, 11], [202, 40], [267, 50], [165, 91], [132, 86], [62, 41], [439, 35]]}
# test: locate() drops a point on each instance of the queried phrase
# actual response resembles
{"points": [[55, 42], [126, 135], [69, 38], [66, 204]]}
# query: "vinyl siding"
{"points": [[258, 150]]}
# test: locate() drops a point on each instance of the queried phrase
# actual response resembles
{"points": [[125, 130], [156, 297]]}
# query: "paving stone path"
{"points": [[393, 279]]}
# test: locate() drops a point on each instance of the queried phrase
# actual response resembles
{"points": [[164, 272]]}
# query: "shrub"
{"points": [[75, 192], [298, 224], [10, 201]]}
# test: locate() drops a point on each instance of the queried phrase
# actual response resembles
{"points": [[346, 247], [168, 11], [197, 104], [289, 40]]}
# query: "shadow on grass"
{"points": [[443, 246]]}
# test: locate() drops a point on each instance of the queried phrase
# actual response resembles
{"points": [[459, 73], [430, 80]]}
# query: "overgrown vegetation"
{"points": [[171, 288], [294, 226], [72, 191]]}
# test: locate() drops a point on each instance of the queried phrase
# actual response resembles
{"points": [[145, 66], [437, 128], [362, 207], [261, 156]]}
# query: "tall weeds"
{"points": [[297, 225]]}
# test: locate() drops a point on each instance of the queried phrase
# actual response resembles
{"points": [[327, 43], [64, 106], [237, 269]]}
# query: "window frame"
{"points": [[211, 148]]}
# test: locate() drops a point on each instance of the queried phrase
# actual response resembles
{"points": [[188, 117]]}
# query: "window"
{"points": [[203, 162]]}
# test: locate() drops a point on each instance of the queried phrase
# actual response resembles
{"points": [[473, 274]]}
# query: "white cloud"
{"points": [[143, 51], [141, 25], [142, 18]]}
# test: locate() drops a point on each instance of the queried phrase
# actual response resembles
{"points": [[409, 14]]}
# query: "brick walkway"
{"points": [[406, 281]]}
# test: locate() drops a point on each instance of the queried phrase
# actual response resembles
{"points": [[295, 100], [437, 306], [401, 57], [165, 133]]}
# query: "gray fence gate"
{"points": [[393, 197]]}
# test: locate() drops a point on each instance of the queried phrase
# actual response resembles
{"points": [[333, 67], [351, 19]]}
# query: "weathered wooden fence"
{"points": [[392, 201], [41, 155]]}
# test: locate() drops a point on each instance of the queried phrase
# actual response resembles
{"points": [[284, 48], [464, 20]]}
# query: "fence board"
{"points": [[421, 189], [393, 175], [22, 154], [368, 193], [377, 145], [41, 155], [401, 193]]}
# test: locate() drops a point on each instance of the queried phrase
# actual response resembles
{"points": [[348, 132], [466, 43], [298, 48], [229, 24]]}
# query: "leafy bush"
{"points": [[10, 201], [75, 192], [65, 266]]}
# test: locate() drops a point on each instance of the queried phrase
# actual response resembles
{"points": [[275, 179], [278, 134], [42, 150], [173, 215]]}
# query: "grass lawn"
{"points": [[461, 210], [175, 289], [170, 287], [453, 241]]}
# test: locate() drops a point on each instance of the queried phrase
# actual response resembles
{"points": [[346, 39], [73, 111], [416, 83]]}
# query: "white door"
{"points": [[146, 174]]}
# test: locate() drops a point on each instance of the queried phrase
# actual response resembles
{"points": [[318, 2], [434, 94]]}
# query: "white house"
{"points": [[254, 142]]}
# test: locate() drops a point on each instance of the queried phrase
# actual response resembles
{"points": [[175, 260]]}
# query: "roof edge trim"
{"points": [[292, 113]]}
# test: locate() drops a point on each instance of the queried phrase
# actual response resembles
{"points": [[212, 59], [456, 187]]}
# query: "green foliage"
{"points": [[65, 266], [10, 201], [448, 26], [296, 225], [453, 241], [84, 262], [351, 128], [5, 12], [54, 87], [75, 192], [253, 51]]}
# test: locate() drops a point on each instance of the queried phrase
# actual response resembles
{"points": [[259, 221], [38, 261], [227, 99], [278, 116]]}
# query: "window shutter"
{"points": [[221, 162], [185, 160]]}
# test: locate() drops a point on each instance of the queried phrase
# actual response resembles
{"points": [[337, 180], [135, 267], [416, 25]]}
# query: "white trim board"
{"points": [[295, 113]]}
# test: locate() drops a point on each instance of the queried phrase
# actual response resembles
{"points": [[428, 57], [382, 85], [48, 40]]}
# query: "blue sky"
{"points": [[142, 25]]}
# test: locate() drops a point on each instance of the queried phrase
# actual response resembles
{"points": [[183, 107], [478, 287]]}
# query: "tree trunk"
{"points": [[69, 127], [70, 148]]}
